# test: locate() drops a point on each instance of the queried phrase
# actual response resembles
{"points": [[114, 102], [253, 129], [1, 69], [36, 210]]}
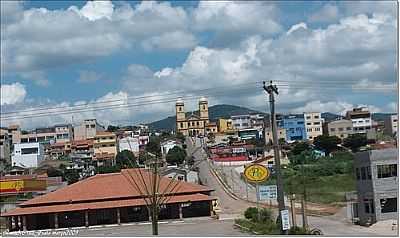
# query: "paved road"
{"points": [[229, 205], [187, 228], [330, 225]]}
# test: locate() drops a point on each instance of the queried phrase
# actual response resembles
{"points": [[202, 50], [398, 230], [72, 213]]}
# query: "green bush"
{"points": [[250, 213]]}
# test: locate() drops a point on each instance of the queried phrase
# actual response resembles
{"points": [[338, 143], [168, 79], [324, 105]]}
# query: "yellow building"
{"points": [[193, 125], [105, 148], [225, 125]]}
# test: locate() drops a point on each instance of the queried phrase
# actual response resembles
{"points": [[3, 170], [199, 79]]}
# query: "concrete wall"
{"points": [[376, 188]]}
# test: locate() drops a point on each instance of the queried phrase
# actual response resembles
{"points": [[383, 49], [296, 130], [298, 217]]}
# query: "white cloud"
{"points": [[38, 39], [39, 77], [171, 40], [87, 76], [337, 107], [237, 16], [295, 27], [94, 10], [328, 13], [12, 93]]}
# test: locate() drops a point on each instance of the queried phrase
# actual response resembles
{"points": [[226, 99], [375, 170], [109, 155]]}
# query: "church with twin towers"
{"points": [[194, 124]]}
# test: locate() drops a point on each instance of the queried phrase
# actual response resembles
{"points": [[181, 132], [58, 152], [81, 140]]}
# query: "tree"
{"points": [[176, 155], [126, 159], [180, 137], [326, 143], [300, 147], [71, 176], [112, 128], [154, 146], [354, 142]]}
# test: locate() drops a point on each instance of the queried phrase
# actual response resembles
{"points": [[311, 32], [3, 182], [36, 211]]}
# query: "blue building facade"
{"points": [[294, 126]]}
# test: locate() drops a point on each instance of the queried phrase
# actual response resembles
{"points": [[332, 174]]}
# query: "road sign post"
{"points": [[256, 173]]}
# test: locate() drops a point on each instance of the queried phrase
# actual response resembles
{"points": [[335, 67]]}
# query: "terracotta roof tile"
{"points": [[112, 186], [103, 205]]}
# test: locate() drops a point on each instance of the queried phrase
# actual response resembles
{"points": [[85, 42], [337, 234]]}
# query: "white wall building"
{"points": [[313, 123], [27, 155], [129, 143], [240, 122], [167, 145], [361, 119]]}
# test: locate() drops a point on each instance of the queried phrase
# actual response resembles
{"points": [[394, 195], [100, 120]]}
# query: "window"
{"points": [[317, 129], [309, 129], [308, 123], [340, 129], [367, 127], [28, 151], [93, 126], [387, 170], [87, 126], [388, 205], [308, 117], [333, 129], [317, 123], [181, 124], [300, 123], [358, 174], [369, 206], [348, 128], [204, 107], [316, 117], [363, 173], [366, 120], [198, 124]]}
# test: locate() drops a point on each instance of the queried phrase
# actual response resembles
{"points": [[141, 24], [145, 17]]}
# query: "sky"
{"points": [[63, 61]]}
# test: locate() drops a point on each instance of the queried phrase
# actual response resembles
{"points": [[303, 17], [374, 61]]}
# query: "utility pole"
{"points": [[271, 90], [154, 213]]}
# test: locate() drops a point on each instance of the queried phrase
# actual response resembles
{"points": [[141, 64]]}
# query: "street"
{"points": [[334, 225]]}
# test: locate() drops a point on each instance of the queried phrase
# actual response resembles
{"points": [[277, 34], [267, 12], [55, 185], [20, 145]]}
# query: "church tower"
{"points": [[180, 116], [203, 109]]}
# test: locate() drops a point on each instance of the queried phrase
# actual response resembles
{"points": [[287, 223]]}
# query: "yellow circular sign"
{"points": [[256, 173]]}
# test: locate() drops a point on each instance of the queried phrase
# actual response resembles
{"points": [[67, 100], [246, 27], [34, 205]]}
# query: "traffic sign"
{"points": [[268, 192], [256, 173], [285, 220]]}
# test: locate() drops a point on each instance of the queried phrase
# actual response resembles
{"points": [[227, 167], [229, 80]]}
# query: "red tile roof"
{"points": [[103, 205], [115, 186], [231, 158]]}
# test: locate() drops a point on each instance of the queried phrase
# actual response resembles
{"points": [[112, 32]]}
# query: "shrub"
{"points": [[250, 213]]}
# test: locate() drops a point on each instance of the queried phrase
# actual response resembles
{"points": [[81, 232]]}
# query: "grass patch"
{"points": [[324, 189]]}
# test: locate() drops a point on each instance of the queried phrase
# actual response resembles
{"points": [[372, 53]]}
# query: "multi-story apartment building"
{"points": [[377, 185], [15, 132], [257, 121], [42, 135], [5, 146], [340, 128], [64, 133], [87, 129], [27, 155], [361, 119], [294, 126], [241, 122], [129, 143], [193, 125], [268, 135], [105, 148], [313, 123], [391, 125]]}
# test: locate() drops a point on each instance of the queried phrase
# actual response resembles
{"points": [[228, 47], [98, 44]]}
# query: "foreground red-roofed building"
{"points": [[108, 199]]}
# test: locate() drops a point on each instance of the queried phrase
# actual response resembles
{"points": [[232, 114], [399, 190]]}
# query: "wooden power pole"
{"points": [[271, 90]]}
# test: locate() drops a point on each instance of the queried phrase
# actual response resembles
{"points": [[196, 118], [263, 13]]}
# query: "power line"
{"points": [[211, 93]]}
